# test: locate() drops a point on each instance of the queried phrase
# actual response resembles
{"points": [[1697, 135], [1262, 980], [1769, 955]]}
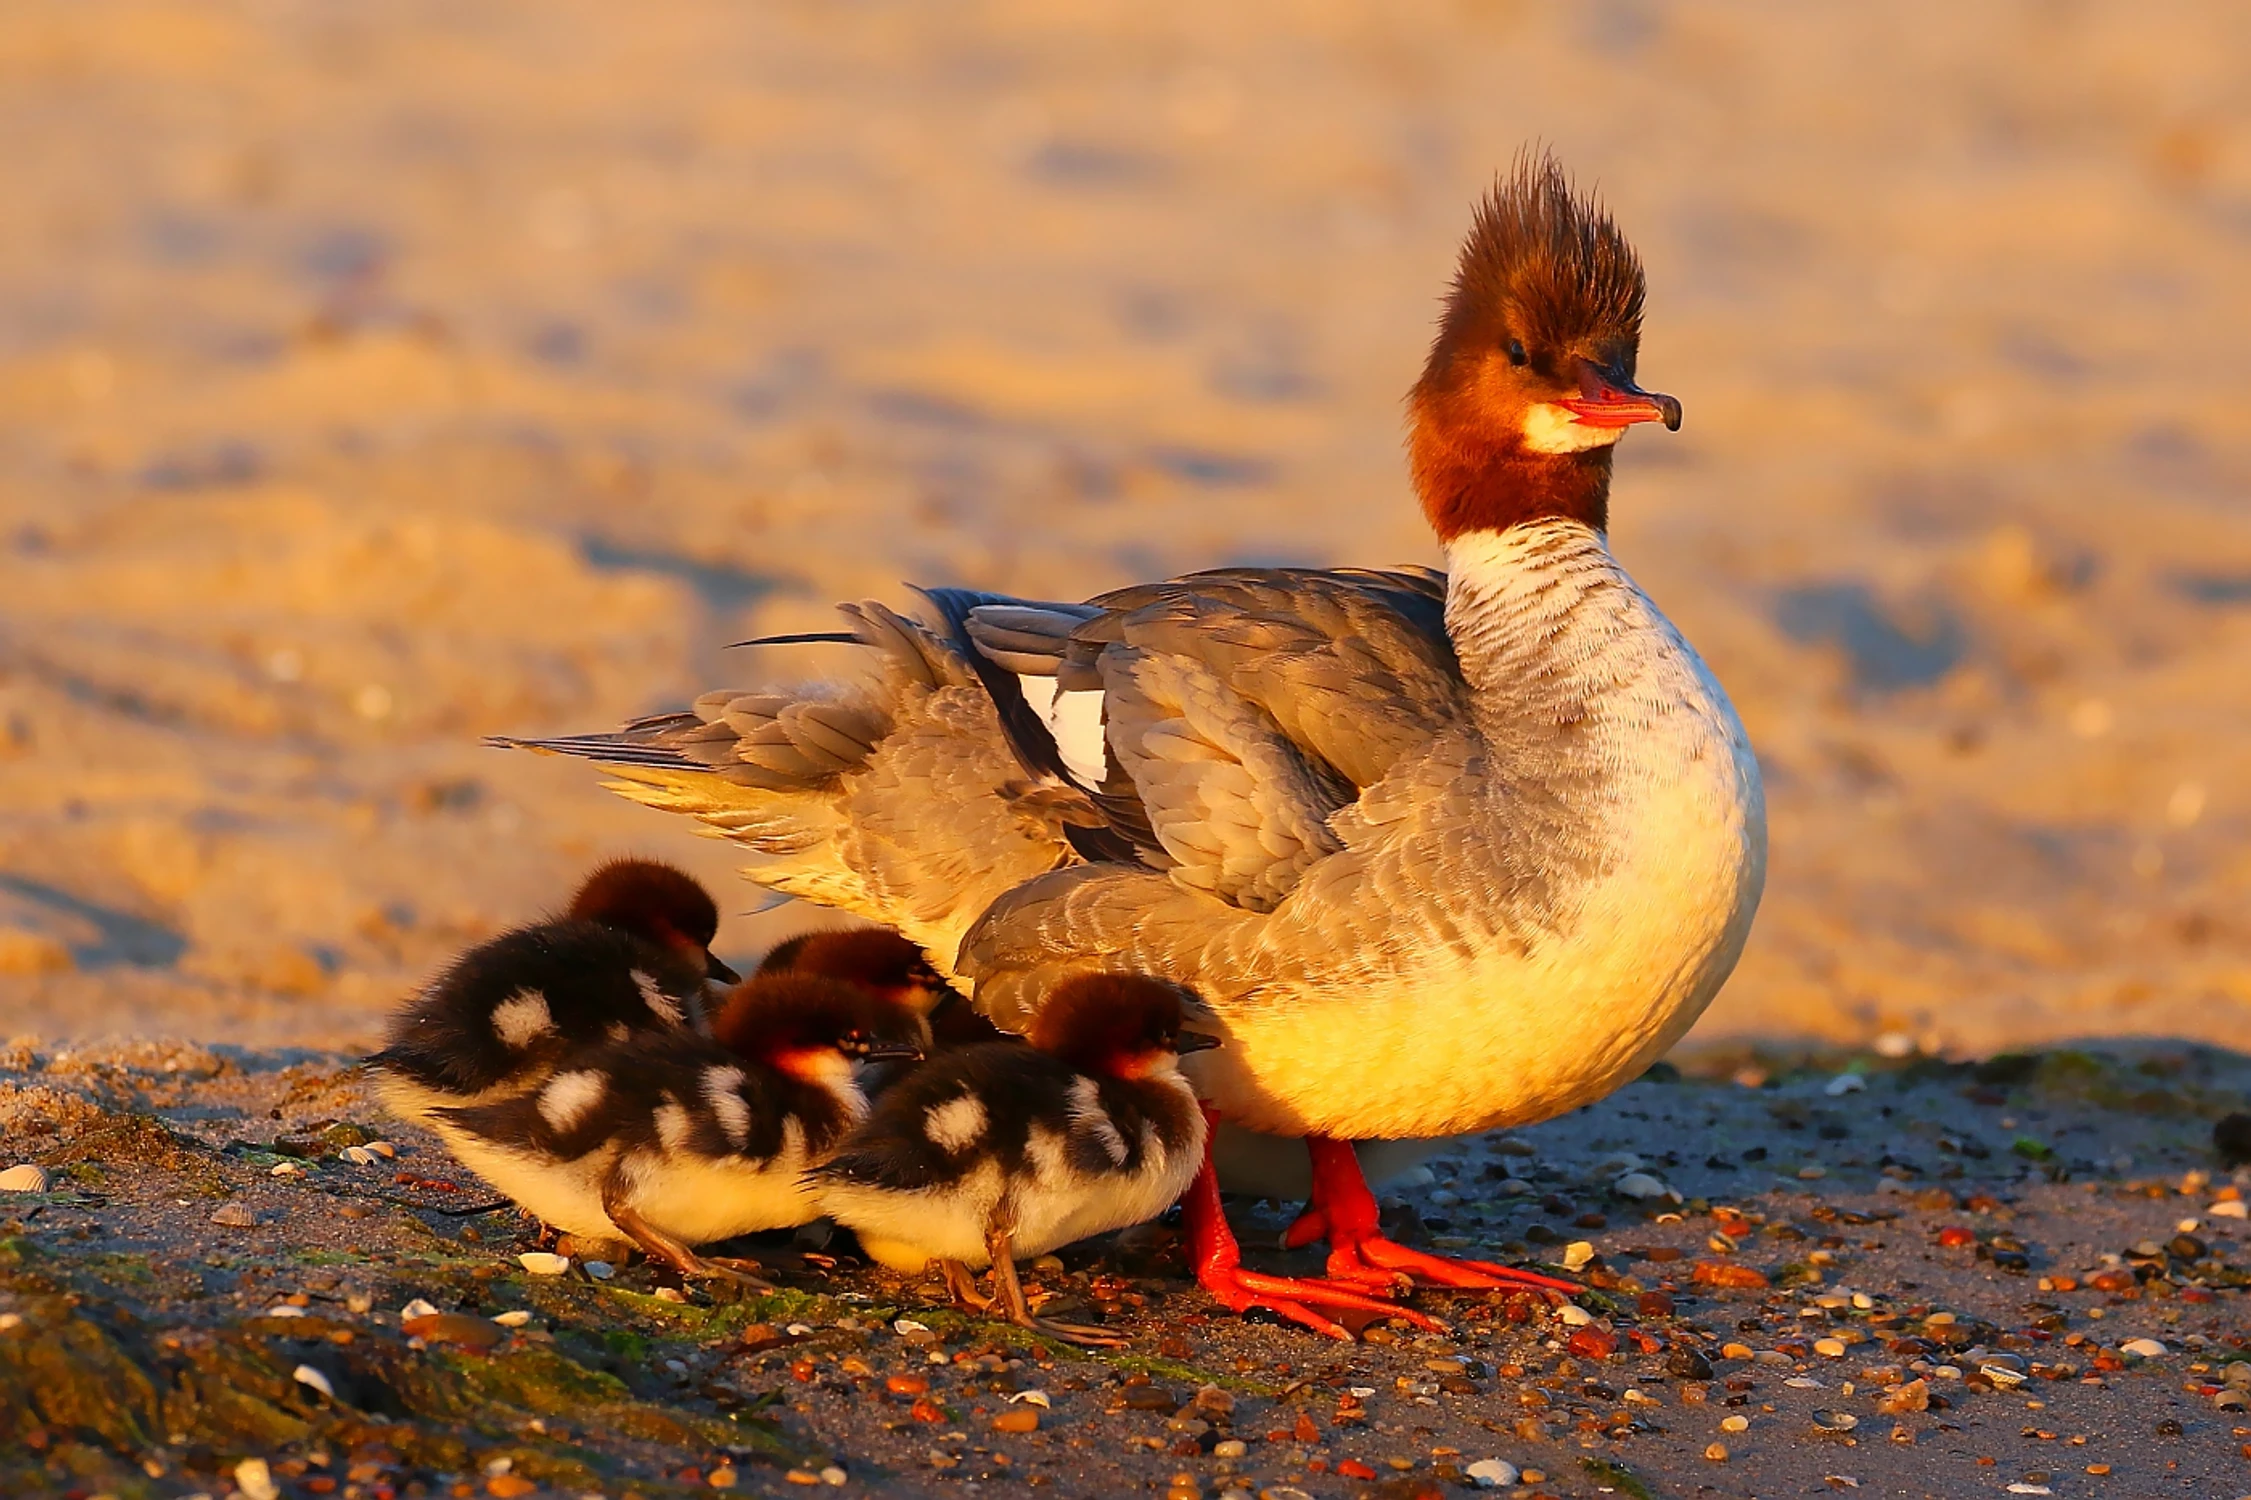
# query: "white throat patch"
{"points": [[1549, 428]]}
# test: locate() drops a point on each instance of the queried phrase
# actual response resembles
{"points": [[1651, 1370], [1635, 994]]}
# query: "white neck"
{"points": [[1514, 597]]}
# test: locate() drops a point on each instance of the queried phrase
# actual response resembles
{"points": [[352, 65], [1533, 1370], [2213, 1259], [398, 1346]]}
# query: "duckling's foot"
{"points": [[1008, 1292], [726, 1268], [666, 1250], [1343, 1212], [1219, 1271], [963, 1286], [1071, 1333]]}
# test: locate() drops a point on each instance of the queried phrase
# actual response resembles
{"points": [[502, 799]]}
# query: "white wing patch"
{"points": [[522, 1018], [1087, 1114], [957, 1124], [666, 1008], [568, 1096], [1075, 719], [673, 1125], [721, 1086], [1050, 1164]]}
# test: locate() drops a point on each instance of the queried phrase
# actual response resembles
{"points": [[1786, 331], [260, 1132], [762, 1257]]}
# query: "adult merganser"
{"points": [[632, 953], [1440, 852], [672, 1140], [990, 1152]]}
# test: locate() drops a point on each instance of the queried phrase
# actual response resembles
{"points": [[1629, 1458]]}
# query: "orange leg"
{"points": [[1219, 1268], [1343, 1212]]}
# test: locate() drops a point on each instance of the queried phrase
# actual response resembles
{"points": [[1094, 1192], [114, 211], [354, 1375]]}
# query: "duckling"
{"points": [[671, 1140], [631, 954], [882, 961], [994, 1151]]}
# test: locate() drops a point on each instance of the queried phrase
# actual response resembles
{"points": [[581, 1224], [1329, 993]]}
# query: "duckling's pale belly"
{"points": [[1463, 1040]]}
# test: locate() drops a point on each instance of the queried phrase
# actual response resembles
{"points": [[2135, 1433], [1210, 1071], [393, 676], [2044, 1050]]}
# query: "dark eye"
{"points": [[1516, 354]]}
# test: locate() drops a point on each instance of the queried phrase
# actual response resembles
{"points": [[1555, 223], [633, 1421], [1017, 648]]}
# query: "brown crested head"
{"points": [[1531, 378], [1120, 1024], [792, 1020], [874, 958], [655, 902]]}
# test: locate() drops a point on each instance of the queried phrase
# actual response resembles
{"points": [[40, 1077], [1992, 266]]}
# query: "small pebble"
{"points": [[723, 1477], [2229, 1208], [25, 1177], [513, 1318], [234, 1216], [1572, 1315], [284, 1310], [832, 1475], [1735, 1424], [1640, 1185], [1717, 1453], [1018, 1419], [1230, 1448], [307, 1375], [10, 1321], [1829, 1348], [256, 1480], [1578, 1255], [544, 1263], [1492, 1473], [383, 1149], [600, 1270], [1844, 1083], [2143, 1348], [669, 1294], [418, 1308], [287, 1169], [1835, 1421]]}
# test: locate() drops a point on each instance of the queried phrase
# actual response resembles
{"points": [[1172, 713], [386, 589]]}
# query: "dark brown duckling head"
{"points": [[1123, 1025], [874, 958], [804, 1024], [658, 904]]}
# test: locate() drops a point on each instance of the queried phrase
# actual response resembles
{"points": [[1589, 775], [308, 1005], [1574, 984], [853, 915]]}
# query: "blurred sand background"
{"points": [[376, 378]]}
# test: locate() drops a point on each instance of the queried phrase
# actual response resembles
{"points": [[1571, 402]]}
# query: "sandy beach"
{"points": [[375, 380]]}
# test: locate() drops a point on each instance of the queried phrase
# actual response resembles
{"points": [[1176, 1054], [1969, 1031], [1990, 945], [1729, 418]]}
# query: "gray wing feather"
{"points": [[898, 799], [1353, 665], [1235, 803]]}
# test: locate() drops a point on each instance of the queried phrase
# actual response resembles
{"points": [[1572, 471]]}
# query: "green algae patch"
{"points": [[117, 1358], [1616, 1476], [60, 1370], [946, 1321]]}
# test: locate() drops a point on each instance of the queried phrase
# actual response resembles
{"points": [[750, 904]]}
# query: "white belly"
{"points": [[1053, 1207], [693, 1199], [564, 1195], [699, 1201], [1475, 1042]]}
